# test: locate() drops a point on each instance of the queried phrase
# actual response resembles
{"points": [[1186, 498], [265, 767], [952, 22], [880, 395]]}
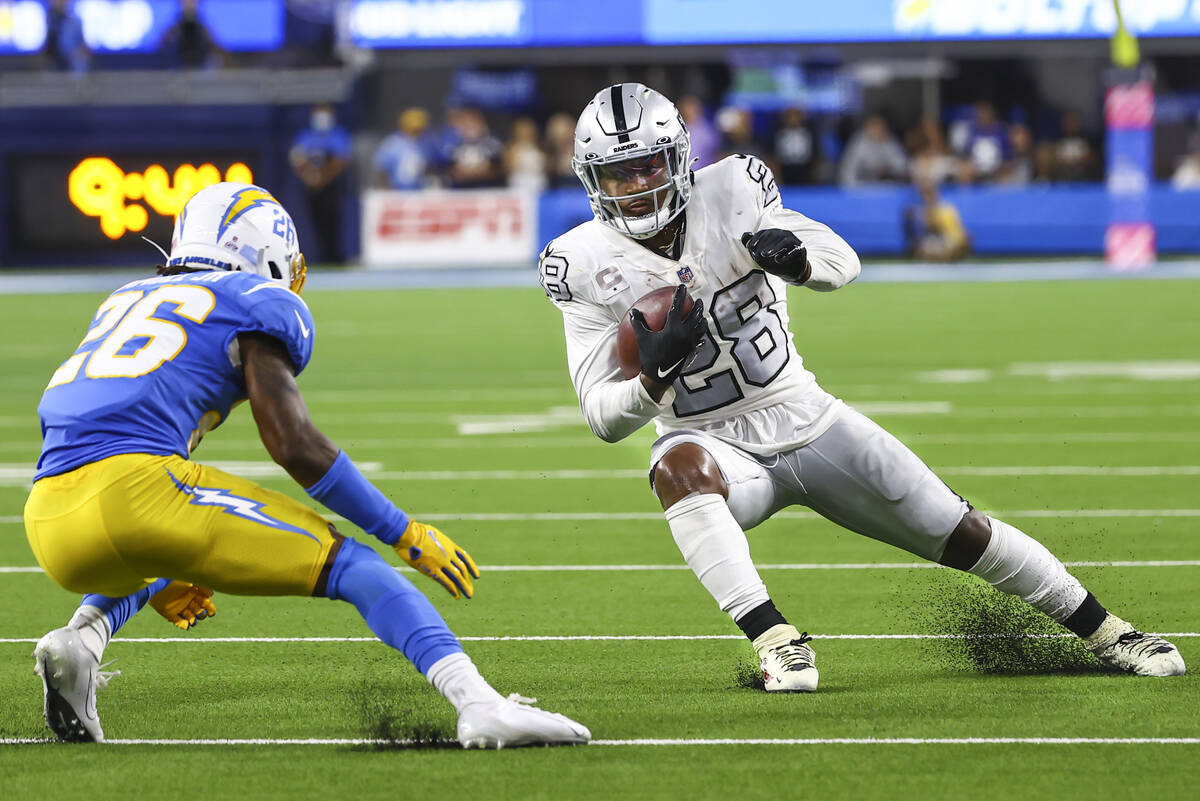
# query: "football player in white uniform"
{"points": [[744, 429]]}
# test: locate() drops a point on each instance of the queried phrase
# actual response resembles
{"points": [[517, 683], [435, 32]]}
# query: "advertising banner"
{"points": [[460, 228], [142, 26], [22, 26], [525, 23]]}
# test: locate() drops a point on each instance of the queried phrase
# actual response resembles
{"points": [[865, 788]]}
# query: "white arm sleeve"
{"points": [[834, 263], [613, 407]]}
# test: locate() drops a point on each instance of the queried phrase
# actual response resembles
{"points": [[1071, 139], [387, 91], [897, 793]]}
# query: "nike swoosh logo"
{"points": [[664, 373], [303, 328]]}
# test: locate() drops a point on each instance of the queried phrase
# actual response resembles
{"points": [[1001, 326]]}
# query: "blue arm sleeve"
{"points": [[346, 491]]}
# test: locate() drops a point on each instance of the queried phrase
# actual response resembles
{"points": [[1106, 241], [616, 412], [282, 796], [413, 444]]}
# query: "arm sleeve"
{"points": [[613, 407], [281, 313], [833, 262]]}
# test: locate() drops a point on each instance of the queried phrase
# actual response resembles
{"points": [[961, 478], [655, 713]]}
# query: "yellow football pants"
{"points": [[112, 527]]}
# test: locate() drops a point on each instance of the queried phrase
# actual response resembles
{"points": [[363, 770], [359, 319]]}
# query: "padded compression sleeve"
{"points": [[345, 490]]}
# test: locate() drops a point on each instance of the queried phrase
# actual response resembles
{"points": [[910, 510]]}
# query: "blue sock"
{"points": [[394, 609], [119, 610]]}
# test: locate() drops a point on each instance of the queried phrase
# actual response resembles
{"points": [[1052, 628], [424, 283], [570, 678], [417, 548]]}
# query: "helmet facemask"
{"points": [[637, 195]]}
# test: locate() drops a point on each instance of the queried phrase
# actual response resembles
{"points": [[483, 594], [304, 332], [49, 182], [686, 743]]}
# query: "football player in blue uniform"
{"points": [[119, 511]]}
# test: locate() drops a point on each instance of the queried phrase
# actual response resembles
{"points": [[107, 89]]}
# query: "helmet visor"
{"points": [[636, 187], [627, 177]]}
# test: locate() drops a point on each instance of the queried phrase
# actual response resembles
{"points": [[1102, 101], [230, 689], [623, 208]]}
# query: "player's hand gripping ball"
{"points": [[434, 554], [661, 334]]}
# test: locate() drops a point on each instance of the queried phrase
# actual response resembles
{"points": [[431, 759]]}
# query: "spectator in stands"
{"points": [[986, 148], [65, 47], [1021, 167], [319, 157], [1187, 174], [476, 159], [706, 141], [931, 158], [560, 147], [796, 150], [191, 42], [934, 228], [1074, 157], [524, 160], [402, 159], [873, 155], [737, 128]]}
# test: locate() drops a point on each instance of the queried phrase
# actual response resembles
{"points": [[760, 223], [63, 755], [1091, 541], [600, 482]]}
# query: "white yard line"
{"points": [[188, 640], [12, 475], [641, 474], [780, 566], [583, 440], [661, 742], [556, 517]]}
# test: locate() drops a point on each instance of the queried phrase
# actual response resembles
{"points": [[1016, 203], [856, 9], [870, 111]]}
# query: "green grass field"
{"points": [[1062, 427]]}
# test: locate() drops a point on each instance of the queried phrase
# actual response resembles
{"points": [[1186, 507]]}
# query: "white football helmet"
{"points": [[631, 136], [235, 226]]}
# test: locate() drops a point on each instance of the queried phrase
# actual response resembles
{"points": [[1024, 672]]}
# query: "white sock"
{"points": [[715, 548], [458, 680], [93, 627], [1019, 565]]}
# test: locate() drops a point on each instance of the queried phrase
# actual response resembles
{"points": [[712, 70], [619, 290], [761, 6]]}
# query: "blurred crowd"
{"points": [[465, 151]]}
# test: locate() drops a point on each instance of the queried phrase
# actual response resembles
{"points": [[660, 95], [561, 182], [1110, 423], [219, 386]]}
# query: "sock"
{"points": [[759, 619], [99, 617], [715, 548], [1017, 564], [458, 680], [393, 608]]}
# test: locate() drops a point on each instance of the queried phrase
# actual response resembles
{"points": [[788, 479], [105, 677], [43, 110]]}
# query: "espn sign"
{"points": [[462, 228]]}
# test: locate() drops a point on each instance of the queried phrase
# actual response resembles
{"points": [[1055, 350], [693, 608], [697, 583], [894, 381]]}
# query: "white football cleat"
{"points": [[787, 660], [513, 721], [1118, 645], [70, 677]]}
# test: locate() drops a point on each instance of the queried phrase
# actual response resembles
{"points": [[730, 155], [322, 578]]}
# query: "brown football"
{"points": [[654, 307]]}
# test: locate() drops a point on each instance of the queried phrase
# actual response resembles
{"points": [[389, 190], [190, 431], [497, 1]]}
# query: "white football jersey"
{"points": [[747, 384]]}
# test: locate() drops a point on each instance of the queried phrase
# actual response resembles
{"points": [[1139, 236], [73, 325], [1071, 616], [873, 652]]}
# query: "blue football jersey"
{"points": [[159, 366]]}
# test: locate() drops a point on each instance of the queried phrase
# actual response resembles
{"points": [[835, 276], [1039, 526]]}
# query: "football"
{"points": [[654, 307]]}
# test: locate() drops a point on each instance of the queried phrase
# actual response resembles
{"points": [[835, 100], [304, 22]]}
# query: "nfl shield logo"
{"points": [[685, 275]]}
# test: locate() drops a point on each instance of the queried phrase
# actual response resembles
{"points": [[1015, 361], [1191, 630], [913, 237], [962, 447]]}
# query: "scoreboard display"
{"points": [[94, 203]]}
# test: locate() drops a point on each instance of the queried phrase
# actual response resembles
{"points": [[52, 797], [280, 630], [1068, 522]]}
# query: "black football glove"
{"points": [[664, 354], [779, 252]]}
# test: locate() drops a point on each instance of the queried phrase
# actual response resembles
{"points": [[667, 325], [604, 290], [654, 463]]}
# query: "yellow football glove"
{"points": [[183, 604], [436, 555]]}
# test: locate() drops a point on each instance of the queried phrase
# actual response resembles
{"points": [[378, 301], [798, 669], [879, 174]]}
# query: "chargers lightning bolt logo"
{"points": [[229, 503], [252, 197]]}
